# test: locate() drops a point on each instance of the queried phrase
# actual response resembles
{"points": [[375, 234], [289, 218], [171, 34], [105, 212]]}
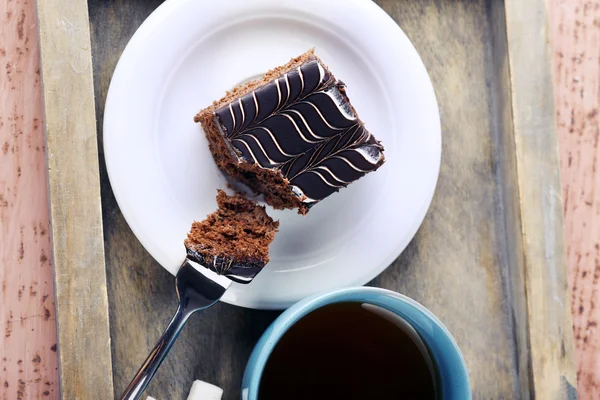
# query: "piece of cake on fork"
{"points": [[234, 240], [292, 136]]}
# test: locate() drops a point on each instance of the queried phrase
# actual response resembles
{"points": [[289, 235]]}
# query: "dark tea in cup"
{"points": [[349, 350]]}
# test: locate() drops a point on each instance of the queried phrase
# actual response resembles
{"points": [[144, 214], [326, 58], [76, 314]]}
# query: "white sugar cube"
{"points": [[205, 391]]}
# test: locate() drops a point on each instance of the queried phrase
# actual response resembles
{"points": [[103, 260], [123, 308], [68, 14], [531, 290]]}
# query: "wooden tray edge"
{"points": [[78, 248], [550, 334], [85, 368]]}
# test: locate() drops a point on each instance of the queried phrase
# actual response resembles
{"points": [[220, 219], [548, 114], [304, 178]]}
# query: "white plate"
{"points": [[188, 52]]}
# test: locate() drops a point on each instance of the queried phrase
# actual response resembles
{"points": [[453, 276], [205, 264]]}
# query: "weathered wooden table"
{"points": [[28, 312]]}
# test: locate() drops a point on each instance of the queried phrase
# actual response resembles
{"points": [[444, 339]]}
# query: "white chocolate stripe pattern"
{"points": [[310, 133]]}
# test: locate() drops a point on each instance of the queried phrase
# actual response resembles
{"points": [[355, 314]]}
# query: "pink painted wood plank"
{"points": [[28, 358], [575, 31]]}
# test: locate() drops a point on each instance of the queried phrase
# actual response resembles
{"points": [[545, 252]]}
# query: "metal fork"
{"points": [[198, 287]]}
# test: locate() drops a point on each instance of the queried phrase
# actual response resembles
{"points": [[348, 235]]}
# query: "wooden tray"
{"points": [[489, 259]]}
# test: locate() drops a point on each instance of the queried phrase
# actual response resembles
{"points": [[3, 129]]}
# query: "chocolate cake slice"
{"points": [[234, 240], [292, 136]]}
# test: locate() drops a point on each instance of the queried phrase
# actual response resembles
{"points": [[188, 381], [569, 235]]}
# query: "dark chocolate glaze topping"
{"points": [[302, 124]]}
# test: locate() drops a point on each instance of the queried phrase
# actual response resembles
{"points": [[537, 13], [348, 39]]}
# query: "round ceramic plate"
{"points": [[189, 52]]}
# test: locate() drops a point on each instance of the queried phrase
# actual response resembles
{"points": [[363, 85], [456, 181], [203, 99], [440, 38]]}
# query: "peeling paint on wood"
{"points": [[575, 34], [28, 366]]}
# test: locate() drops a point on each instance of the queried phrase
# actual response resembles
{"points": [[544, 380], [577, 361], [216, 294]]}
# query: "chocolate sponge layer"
{"points": [[234, 240]]}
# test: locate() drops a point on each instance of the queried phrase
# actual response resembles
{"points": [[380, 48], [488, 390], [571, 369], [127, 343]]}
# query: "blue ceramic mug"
{"points": [[452, 376]]}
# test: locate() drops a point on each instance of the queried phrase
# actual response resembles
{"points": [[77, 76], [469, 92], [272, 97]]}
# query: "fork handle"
{"points": [[157, 355]]}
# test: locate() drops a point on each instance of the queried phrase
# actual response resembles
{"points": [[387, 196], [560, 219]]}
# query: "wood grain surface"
{"points": [[74, 194], [468, 263], [576, 39], [28, 361], [575, 34], [538, 181]]}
